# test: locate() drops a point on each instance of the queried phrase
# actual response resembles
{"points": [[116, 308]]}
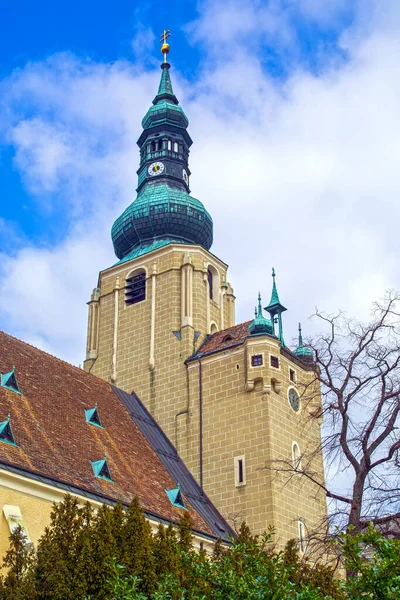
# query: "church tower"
{"points": [[162, 324], [167, 292]]}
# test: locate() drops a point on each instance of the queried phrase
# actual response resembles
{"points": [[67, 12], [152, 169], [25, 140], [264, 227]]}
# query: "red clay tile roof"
{"points": [[54, 440], [224, 339], [233, 336]]}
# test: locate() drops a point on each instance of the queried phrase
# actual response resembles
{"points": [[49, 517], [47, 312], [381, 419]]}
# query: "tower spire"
{"points": [[301, 350], [275, 309], [163, 212], [260, 325]]}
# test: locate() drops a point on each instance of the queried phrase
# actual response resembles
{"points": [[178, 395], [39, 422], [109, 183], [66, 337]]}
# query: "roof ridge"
{"points": [[61, 360]]}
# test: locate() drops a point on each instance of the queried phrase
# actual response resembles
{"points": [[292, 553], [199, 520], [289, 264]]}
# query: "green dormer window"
{"points": [[6, 434], [101, 469], [175, 497], [92, 416], [9, 381]]}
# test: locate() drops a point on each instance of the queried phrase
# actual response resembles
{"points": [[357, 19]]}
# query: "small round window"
{"points": [[294, 399]]}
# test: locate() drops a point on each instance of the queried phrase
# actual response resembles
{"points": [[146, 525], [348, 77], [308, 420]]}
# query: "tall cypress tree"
{"points": [[58, 556], [138, 546], [166, 552]]}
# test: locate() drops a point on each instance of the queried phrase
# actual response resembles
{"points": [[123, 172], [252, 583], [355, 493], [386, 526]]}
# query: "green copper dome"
{"points": [[163, 211], [159, 212], [260, 325]]}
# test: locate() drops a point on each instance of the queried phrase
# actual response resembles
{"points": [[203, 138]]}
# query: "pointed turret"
{"points": [[301, 350], [165, 91], [260, 325], [275, 309], [164, 212]]}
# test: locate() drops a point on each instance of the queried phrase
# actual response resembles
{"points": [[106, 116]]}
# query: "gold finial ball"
{"points": [[165, 48]]}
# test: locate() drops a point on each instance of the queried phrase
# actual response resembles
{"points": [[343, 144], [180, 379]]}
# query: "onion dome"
{"points": [[164, 211], [301, 350], [260, 325]]}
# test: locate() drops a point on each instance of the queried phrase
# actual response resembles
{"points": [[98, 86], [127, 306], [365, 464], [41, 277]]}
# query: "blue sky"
{"points": [[293, 109], [94, 31]]}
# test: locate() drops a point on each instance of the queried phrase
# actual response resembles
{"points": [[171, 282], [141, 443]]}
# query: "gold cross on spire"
{"points": [[164, 45]]}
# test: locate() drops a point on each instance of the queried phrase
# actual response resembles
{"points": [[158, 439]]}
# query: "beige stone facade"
{"points": [[230, 421]]}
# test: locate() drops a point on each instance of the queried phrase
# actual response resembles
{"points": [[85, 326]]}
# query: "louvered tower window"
{"points": [[135, 288]]}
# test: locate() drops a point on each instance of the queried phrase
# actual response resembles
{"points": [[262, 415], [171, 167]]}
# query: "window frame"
{"points": [[302, 538], [273, 356], [239, 466], [258, 355], [131, 275]]}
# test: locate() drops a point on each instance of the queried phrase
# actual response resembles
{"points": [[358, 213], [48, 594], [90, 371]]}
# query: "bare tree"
{"points": [[357, 367]]}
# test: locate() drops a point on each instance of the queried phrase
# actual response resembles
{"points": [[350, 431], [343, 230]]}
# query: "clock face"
{"points": [[185, 177], [294, 399], [155, 168]]}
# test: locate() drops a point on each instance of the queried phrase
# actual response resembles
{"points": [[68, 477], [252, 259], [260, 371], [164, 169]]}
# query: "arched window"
{"points": [[210, 283], [296, 457], [302, 536], [213, 328], [176, 147], [153, 146], [135, 287], [213, 283], [169, 145]]}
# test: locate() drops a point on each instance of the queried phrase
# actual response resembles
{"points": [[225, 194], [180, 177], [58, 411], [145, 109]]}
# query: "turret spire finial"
{"points": [[275, 308], [259, 305], [302, 351], [300, 337], [165, 47]]}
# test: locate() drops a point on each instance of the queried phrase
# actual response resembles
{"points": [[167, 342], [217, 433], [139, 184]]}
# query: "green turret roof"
{"points": [[260, 324], [301, 350], [274, 307], [165, 90]]}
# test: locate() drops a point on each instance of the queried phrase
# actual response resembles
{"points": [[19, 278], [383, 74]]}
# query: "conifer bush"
{"points": [[112, 554]]}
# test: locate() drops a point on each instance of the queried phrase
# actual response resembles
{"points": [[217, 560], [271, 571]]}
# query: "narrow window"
{"points": [[296, 459], [240, 470], [210, 283], [135, 288], [292, 375], [302, 540], [176, 147], [275, 362], [153, 146], [169, 145], [256, 360]]}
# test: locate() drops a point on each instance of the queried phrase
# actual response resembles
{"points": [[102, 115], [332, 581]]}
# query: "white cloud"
{"points": [[301, 174]]}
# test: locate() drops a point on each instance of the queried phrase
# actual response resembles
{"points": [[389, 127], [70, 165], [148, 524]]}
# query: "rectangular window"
{"points": [[240, 470], [256, 360], [275, 362], [292, 375], [302, 542]]}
